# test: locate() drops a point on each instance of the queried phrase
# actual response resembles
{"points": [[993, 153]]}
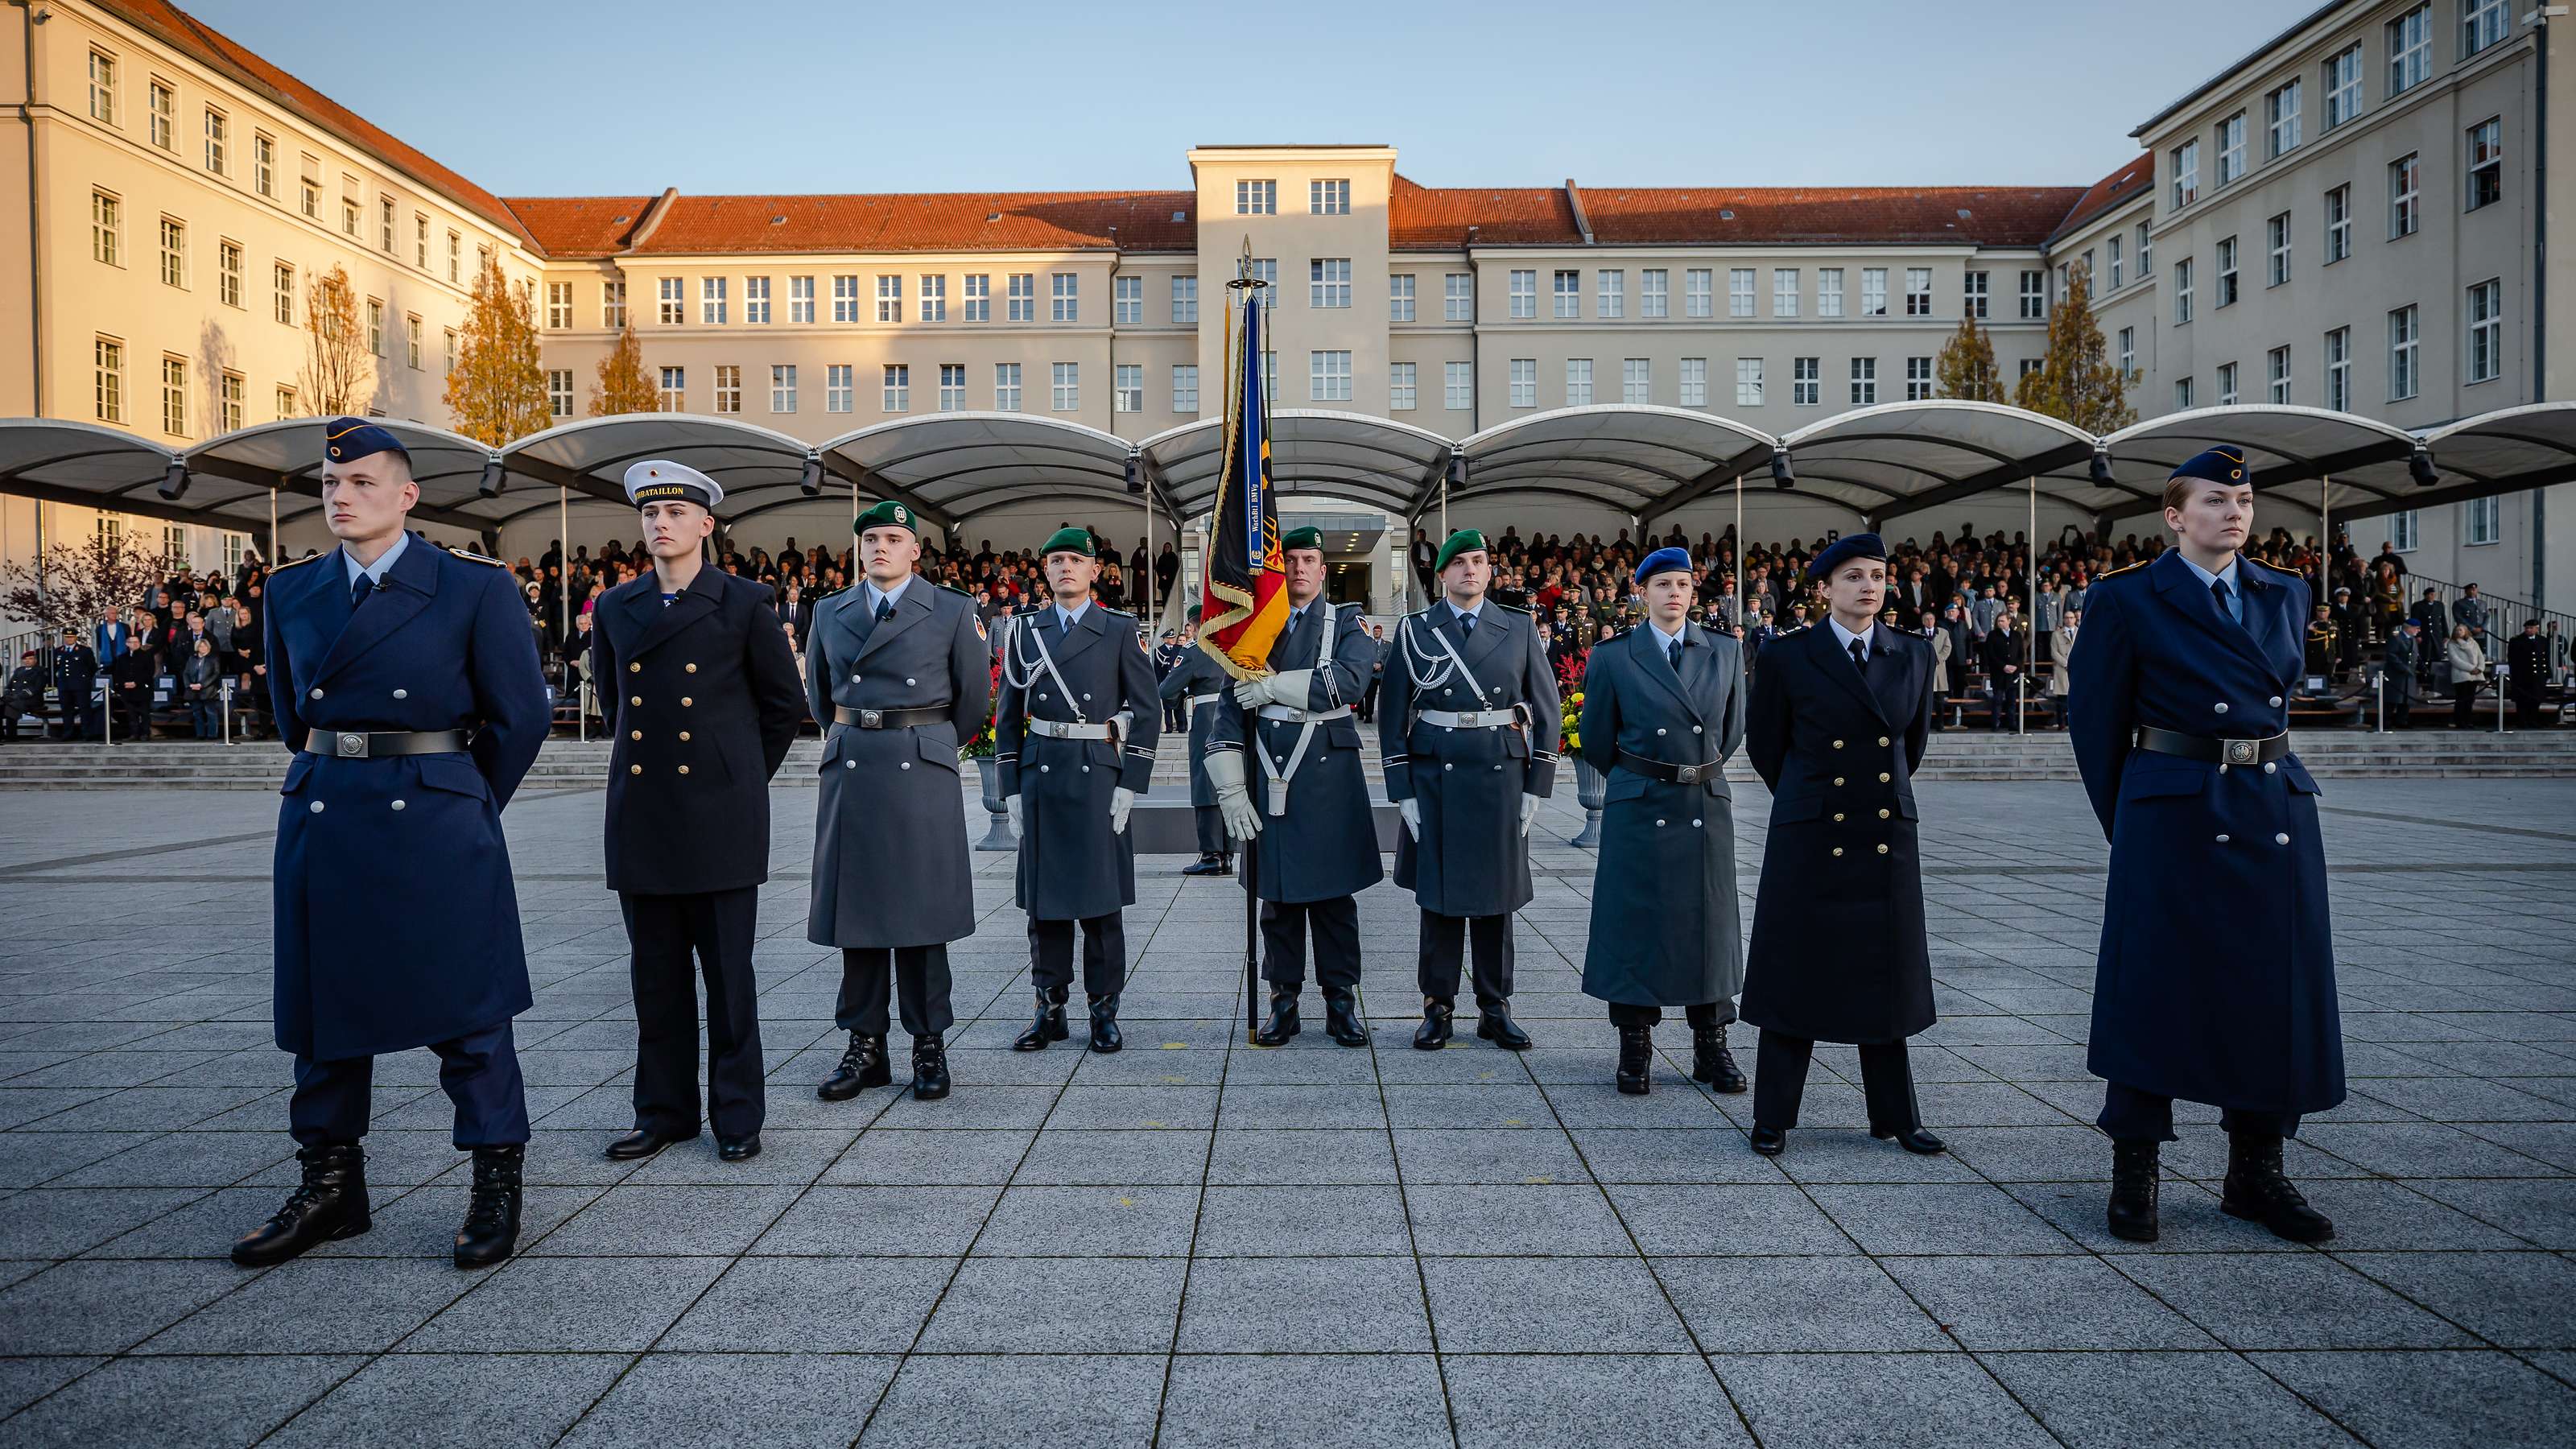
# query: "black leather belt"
{"points": [[2216, 752], [888, 719], [361, 745], [1669, 772]]}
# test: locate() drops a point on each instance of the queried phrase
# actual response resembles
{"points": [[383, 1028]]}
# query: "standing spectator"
{"points": [[2398, 672], [111, 639], [2468, 669], [2436, 622], [2001, 655], [1167, 572], [75, 675], [2526, 670], [2061, 649], [201, 680], [23, 695], [2472, 611], [1941, 649]]}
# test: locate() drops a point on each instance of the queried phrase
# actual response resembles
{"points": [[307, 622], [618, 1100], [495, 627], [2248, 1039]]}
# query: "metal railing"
{"points": [[2505, 617]]}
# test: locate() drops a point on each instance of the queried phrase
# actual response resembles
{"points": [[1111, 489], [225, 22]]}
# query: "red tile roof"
{"points": [[1426, 218], [581, 226], [202, 43], [1420, 218], [2136, 179], [1136, 221]]}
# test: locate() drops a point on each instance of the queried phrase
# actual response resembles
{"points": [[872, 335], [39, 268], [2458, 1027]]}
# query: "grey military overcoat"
{"points": [[1472, 859], [1071, 866]]}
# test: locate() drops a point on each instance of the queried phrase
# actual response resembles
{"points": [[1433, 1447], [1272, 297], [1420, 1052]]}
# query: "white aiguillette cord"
{"points": [[1279, 779]]}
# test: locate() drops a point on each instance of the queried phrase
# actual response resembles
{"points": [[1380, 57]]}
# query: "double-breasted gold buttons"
{"points": [[637, 668]]}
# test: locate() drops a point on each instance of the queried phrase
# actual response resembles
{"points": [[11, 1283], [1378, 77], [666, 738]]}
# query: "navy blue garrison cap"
{"points": [[2222, 464], [1664, 561], [1849, 546], [346, 440]]}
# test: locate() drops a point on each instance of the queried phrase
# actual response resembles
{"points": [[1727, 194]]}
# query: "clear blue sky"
{"points": [[535, 98]]}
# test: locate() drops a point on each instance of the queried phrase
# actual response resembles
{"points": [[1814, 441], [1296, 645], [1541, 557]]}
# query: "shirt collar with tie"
{"points": [[2232, 601], [1670, 644], [1856, 645], [878, 598], [1065, 618], [374, 573], [1467, 617]]}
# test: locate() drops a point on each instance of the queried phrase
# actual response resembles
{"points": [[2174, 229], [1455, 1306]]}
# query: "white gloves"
{"points": [[1288, 686], [1121, 800], [1124, 723], [1233, 797], [1529, 812], [1411, 810], [1012, 804]]}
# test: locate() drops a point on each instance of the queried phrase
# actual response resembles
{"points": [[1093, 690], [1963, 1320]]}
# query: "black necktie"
{"points": [[885, 610], [2218, 590], [1467, 625], [1673, 655], [359, 590], [1860, 656]]}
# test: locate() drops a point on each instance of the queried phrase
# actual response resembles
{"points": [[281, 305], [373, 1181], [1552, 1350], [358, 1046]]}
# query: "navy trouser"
{"points": [[1104, 954], [2131, 1115], [1211, 827], [479, 1070], [1780, 1082], [1335, 922], [674, 940], [1445, 944], [1698, 1013], [917, 977]]}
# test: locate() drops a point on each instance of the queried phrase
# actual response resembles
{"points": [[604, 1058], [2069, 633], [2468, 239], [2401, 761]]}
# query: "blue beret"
{"points": [[1664, 561], [346, 440], [2222, 464], [1849, 546]]}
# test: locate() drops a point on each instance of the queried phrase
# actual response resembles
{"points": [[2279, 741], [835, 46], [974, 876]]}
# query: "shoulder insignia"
{"points": [[2276, 568], [961, 593], [290, 563], [979, 625], [832, 594], [1499, 604], [1792, 629], [2126, 569], [476, 558]]}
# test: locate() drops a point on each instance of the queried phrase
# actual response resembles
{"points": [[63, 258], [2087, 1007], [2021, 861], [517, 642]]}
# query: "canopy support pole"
{"points": [[563, 555], [1743, 605], [274, 552], [2325, 547], [2030, 626]]}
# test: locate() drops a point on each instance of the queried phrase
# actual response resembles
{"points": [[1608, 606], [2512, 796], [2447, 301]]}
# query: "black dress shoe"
{"points": [[929, 1068], [738, 1149], [330, 1203], [1225, 863], [1711, 1062], [1104, 1024], [1636, 1059], [2134, 1173], [1496, 1025], [1342, 1019], [2258, 1191], [1433, 1034], [642, 1142], [1283, 1023], [1210, 864], [1912, 1139], [1770, 1141], [1047, 1026], [491, 1227], [863, 1065]]}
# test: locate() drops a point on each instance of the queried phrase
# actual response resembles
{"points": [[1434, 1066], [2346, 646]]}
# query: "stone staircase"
{"points": [[1954, 755]]}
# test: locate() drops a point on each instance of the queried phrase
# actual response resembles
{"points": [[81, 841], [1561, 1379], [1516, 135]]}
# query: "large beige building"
{"points": [[180, 192]]}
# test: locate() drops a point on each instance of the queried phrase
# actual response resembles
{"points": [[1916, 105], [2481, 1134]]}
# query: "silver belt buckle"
{"points": [[1688, 774], [353, 745], [2242, 752], [870, 719]]}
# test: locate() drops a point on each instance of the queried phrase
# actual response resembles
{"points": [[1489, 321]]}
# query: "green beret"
{"points": [[1068, 540], [1307, 537], [887, 513], [1465, 540]]}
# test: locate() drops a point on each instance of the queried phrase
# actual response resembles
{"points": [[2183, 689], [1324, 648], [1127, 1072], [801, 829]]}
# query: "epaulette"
{"points": [[834, 594], [290, 563], [1792, 629], [2126, 569], [961, 593], [2276, 568], [477, 558]]}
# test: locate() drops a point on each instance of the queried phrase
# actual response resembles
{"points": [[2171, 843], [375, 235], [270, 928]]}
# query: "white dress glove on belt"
{"points": [[1233, 797]]}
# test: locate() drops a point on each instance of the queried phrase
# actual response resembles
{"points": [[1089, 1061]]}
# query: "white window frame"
{"points": [[845, 297], [800, 301], [889, 296], [1126, 302], [2342, 85], [840, 387], [1328, 197], [711, 301], [2410, 50], [1578, 382], [1065, 386], [2406, 195], [1328, 376], [2276, 374], [1401, 394], [1864, 381], [2227, 394], [2406, 531], [2182, 298], [1918, 291], [1523, 374], [1976, 287], [2482, 158], [728, 397], [1567, 290], [1873, 291], [1739, 291], [2405, 352], [1829, 291], [1524, 293], [2283, 126], [2277, 233], [930, 300], [1637, 380], [1698, 288], [1784, 291], [1399, 296], [2231, 149], [1022, 303], [1655, 292], [782, 387], [1185, 300], [1256, 198], [1127, 386], [2485, 355], [1328, 283], [894, 388], [2482, 522], [1748, 383], [1918, 378], [1458, 297], [952, 387], [977, 290], [1610, 293], [671, 389], [558, 306], [1064, 299], [1806, 382], [2483, 25], [2183, 163], [2338, 223], [2226, 273], [1185, 389], [2338, 344]]}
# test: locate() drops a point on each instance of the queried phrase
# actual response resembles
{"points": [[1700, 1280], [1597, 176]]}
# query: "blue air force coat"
{"points": [[891, 863], [1070, 866], [703, 701], [1326, 845], [1665, 928], [1197, 674], [396, 921], [1838, 948], [1472, 859], [2215, 981]]}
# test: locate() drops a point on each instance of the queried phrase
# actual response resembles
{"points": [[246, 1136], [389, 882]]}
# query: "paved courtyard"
{"points": [[1195, 1241]]}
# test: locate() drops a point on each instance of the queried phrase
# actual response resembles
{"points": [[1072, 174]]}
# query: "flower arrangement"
{"points": [[1570, 722], [981, 746]]}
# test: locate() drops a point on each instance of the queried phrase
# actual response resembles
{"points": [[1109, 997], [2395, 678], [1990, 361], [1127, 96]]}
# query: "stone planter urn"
{"points": [[999, 837], [1589, 786]]}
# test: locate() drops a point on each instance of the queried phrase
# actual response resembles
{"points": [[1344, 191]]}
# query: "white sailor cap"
{"points": [[658, 479]]}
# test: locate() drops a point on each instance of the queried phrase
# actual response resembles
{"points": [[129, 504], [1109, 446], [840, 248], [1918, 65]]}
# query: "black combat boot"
{"points": [[2134, 1175], [491, 1227], [929, 1067], [1495, 1025], [1104, 1023], [2257, 1191], [1048, 1025], [1433, 1034], [1711, 1062], [1283, 1022], [1636, 1058], [1342, 1017], [862, 1066], [330, 1203]]}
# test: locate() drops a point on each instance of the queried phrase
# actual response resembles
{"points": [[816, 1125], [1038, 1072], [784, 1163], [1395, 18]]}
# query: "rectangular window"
{"points": [[838, 387], [2483, 521], [1328, 198], [1524, 379], [1864, 381], [1694, 380], [420, 241], [2185, 170], [2339, 369], [1458, 386], [2338, 224], [896, 393], [1610, 299], [1918, 378], [1829, 291], [1185, 389], [375, 327], [1328, 282], [675, 389], [107, 228], [1918, 291], [1569, 294], [281, 282], [1399, 387], [1265, 270], [1748, 382], [1784, 291], [286, 405], [845, 299], [219, 129], [1023, 299], [263, 165], [2276, 375], [979, 297], [1066, 297], [2034, 296], [2486, 163], [1185, 301], [800, 299], [174, 396], [1636, 380], [728, 388], [1006, 387], [2146, 252], [2281, 121], [782, 387], [558, 305], [1068, 386], [109, 357], [2410, 49], [1399, 297], [102, 87], [933, 305], [1697, 288], [456, 260], [1256, 198], [348, 216], [2404, 193], [2276, 236], [450, 340], [385, 225], [1524, 294], [889, 297], [2231, 148], [2402, 340], [1126, 301], [1739, 291], [952, 387], [1873, 291], [1654, 293], [2404, 531], [2182, 394], [2128, 352], [559, 392], [1328, 376], [2226, 272], [174, 252], [228, 273], [164, 101], [1127, 388], [711, 300], [1458, 297], [2343, 86], [2182, 291], [2482, 23], [2486, 330], [1578, 382], [1973, 292], [1806, 381], [755, 299]]}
